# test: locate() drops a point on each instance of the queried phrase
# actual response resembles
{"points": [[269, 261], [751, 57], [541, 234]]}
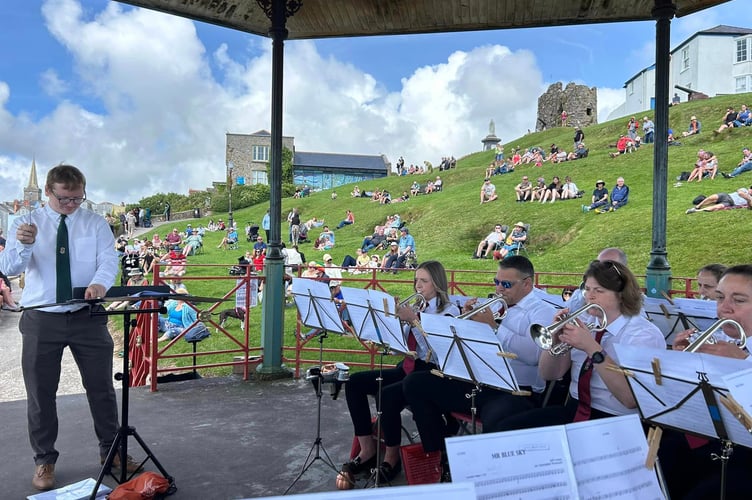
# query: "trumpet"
{"points": [[698, 339], [545, 336], [500, 313], [416, 302]]}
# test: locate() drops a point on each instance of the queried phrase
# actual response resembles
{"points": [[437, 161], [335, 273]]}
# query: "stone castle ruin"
{"points": [[579, 101]]}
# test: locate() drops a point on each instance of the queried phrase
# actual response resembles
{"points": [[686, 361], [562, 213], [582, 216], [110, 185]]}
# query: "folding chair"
{"points": [[522, 246]]}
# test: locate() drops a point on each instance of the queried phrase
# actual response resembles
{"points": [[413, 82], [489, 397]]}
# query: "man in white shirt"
{"points": [[490, 243], [38, 249]]}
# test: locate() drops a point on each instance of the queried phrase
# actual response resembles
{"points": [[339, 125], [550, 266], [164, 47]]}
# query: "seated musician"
{"points": [[690, 470], [431, 396], [431, 283], [595, 390]]}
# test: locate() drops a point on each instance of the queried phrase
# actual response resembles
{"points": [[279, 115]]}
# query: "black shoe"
{"points": [[356, 466], [446, 476], [725, 175], [475, 257], [388, 472]]}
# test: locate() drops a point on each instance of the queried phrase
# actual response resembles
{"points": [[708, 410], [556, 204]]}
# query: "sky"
{"points": [[141, 101]]}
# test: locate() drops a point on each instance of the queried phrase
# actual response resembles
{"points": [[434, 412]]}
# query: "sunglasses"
{"points": [[505, 284]]}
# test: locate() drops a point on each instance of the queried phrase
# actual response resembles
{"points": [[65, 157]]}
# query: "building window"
{"points": [[742, 84], [260, 153], [630, 87], [259, 177], [742, 50], [685, 58]]}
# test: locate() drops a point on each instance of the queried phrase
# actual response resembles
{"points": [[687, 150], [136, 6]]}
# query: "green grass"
{"points": [[447, 226]]}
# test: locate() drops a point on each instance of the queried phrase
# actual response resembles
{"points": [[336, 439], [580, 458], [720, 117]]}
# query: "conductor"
{"points": [[60, 246]]}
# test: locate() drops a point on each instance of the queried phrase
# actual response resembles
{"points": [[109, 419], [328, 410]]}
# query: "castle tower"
{"points": [[32, 192]]}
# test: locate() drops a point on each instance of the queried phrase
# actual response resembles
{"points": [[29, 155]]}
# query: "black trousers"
{"points": [[362, 384], [550, 415], [430, 397]]}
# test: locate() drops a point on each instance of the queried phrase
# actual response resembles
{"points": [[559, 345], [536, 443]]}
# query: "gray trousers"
{"points": [[45, 335]]}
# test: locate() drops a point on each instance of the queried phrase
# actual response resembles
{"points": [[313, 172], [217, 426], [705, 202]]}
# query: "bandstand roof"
{"points": [[345, 18]]}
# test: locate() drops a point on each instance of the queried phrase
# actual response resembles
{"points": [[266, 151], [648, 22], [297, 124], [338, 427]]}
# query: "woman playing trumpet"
{"points": [[595, 391], [431, 283]]}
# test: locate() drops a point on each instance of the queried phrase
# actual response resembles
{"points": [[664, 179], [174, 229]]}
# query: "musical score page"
{"points": [[529, 463], [609, 459], [673, 403], [602, 458]]}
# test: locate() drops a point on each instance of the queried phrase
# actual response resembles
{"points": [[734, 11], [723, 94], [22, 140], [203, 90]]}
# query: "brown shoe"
{"points": [[131, 465], [44, 477]]}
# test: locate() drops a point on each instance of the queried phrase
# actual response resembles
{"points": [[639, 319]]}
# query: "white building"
{"points": [[714, 61]]}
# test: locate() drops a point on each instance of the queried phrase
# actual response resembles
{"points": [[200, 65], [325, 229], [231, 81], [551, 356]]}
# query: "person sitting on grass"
{"points": [[694, 127], [599, 198], [524, 190], [487, 192]]}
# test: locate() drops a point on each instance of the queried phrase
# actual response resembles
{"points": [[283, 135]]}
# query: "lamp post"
{"points": [[230, 166]]}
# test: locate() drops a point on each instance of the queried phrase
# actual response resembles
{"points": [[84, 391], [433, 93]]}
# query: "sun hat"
{"points": [[520, 224]]}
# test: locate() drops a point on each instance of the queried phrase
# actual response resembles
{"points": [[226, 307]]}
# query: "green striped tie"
{"points": [[64, 287]]}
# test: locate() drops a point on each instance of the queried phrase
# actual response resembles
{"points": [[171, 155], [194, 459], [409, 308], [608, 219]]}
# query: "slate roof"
{"points": [[340, 161]]}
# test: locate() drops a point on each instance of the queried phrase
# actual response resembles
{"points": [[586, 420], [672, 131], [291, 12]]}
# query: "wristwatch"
{"points": [[598, 357]]}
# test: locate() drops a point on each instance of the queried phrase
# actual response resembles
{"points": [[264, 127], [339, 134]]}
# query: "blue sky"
{"points": [[141, 100]]}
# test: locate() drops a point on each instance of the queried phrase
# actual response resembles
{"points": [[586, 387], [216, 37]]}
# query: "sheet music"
{"points": [[529, 463], [609, 459], [471, 355], [373, 314], [440, 491], [554, 299], [314, 302], [670, 403], [602, 458], [700, 313]]}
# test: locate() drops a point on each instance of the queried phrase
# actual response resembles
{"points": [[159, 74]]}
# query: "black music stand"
{"points": [[686, 392], [120, 443], [317, 310], [374, 317], [467, 351]]}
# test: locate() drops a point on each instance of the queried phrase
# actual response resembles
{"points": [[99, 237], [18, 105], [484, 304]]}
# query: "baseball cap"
{"points": [[327, 257], [394, 244]]}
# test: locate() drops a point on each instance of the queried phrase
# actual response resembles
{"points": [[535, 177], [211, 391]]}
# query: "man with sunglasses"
{"points": [[60, 247], [430, 396]]}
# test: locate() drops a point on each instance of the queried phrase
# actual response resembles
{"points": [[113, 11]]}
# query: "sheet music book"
{"points": [[676, 402], [603, 458], [440, 491], [468, 350], [315, 305], [76, 491], [374, 319]]}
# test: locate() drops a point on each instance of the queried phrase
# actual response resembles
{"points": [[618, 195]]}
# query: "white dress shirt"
{"points": [[631, 330], [93, 258], [514, 336]]}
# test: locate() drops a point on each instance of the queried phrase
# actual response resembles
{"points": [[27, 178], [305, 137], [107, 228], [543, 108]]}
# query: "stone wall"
{"points": [[579, 101]]}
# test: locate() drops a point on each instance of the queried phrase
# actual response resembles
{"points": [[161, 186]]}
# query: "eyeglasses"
{"points": [[508, 284], [64, 200]]}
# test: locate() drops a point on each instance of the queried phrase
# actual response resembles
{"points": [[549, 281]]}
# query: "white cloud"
{"points": [[147, 108], [609, 100]]}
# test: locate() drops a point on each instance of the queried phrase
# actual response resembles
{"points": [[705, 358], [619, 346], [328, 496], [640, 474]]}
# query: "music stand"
{"points": [[317, 310], [374, 318], [672, 316], [467, 350], [686, 391]]}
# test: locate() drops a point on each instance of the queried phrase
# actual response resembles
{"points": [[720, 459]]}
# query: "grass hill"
{"points": [[448, 226]]}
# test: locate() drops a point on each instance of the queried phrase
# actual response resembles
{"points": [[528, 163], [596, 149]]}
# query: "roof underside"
{"points": [[343, 18]]}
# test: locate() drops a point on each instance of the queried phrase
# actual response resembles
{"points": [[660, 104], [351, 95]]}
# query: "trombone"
{"points": [[500, 313], [545, 336], [698, 339]]}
